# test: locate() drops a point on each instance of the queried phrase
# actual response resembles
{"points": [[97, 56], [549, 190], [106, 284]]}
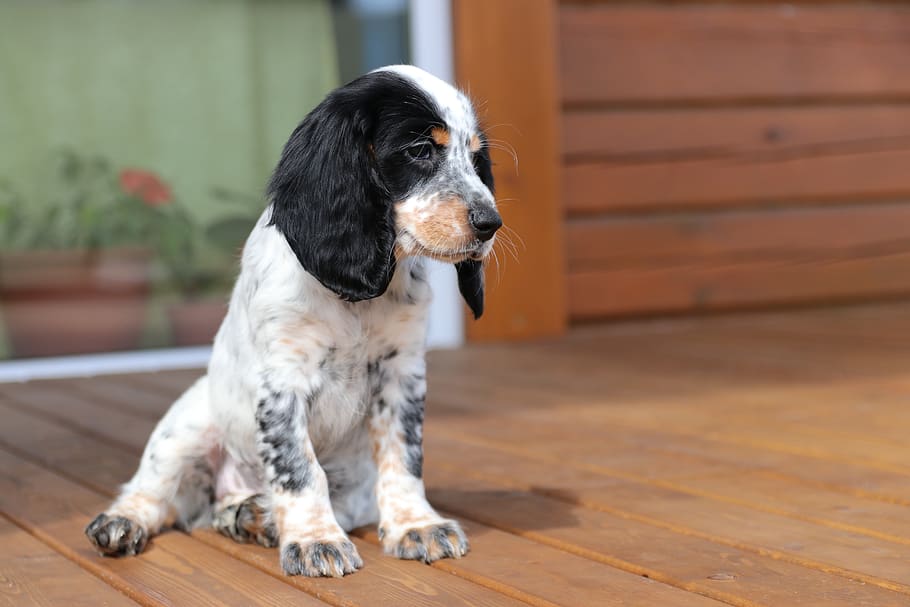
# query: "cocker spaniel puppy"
{"points": [[309, 420]]}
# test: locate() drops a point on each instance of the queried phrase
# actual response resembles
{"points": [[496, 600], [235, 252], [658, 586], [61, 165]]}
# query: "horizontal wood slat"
{"points": [[718, 285], [746, 180], [33, 574], [643, 134], [723, 260], [666, 241], [706, 51]]}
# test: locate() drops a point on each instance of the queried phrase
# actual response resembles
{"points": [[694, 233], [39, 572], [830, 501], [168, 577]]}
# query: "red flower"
{"points": [[146, 186]]}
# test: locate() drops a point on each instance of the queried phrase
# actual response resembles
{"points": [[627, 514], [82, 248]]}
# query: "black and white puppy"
{"points": [[309, 420]]}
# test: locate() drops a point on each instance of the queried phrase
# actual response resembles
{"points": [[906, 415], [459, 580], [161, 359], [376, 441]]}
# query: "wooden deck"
{"points": [[743, 460]]}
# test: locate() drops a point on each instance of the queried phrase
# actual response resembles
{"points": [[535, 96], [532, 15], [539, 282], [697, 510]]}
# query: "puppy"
{"points": [[309, 420]]}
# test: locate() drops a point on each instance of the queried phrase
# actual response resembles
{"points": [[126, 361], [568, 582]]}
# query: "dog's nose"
{"points": [[485, 221]]}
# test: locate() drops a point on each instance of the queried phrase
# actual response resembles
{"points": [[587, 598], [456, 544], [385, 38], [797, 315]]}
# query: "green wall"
{"points": [[203, 92]]}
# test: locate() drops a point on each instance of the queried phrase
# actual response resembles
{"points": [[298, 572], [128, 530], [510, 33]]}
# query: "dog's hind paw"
{"points": [[247, 521], [116, 535]]}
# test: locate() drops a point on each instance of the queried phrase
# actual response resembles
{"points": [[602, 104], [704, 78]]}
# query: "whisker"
{"points": [[508, 246], [505, 146], [498, 266], [512, 233]]}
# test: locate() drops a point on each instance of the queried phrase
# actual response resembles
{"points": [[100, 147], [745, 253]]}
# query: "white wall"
{"points": [[431, 49]]}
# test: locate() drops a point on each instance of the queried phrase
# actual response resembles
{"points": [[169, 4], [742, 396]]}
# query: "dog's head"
{"points": [[390, 165]]}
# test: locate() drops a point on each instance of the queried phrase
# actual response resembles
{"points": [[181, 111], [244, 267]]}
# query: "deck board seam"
{"points": [[608, 472], [77, 387], [605, 559], [113, 580], [23, 407], [632, 427], [680, 529]]}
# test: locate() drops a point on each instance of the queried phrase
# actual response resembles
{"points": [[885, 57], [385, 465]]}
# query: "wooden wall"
{"points": [[686, 156], [505, 58], [720, 155]]}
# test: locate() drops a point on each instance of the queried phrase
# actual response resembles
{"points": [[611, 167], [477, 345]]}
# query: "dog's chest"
{"points": [[350, 370]]}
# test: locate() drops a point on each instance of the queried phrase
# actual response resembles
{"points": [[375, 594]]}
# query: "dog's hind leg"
{"points": [[180, 441], [243, 510]]}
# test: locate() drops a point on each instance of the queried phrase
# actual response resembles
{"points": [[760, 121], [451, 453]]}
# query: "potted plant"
{"points": [[195, 318], [75, 271]]}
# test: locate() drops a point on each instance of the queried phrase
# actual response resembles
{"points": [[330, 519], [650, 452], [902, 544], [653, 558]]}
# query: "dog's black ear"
{"points": [[329, 201], [470, 283], [470, 272]]}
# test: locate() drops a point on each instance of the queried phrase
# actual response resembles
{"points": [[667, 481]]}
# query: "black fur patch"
{"points": [[281, 438], [483, 166], [339, 175], [411, 413], [470, 283]]}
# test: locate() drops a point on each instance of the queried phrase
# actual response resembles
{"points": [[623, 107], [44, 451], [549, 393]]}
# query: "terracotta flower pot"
{"points": [[74, 301], [195, 322]]}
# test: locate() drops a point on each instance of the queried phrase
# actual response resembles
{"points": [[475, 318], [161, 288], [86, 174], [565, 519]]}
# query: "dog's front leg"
{"points": [[312, 542], [409, 527]]}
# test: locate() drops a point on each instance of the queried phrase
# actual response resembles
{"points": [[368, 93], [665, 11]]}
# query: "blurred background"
{"points": [[672, 158], [135, 141]]}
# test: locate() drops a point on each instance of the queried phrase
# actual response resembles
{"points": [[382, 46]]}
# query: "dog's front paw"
{"points": [[116, 535], [428, 543], [326, 558]]}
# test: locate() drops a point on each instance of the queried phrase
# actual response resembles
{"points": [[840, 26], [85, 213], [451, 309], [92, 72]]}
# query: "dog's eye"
{"points": [[420, 151]]}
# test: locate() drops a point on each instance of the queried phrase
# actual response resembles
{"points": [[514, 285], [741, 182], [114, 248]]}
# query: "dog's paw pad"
{"points": [[431, 543], [116, 535], [320, 559]]}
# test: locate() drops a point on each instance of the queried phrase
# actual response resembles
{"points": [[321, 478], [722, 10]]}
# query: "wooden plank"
{"points": [[558, 576], [720, 286], [688, 239], [694, 261], [102, 421], [639, 461], [118, 396], [383, 582], [762, 180], [690, 560], [102, 464], [650, 134], [875, 561], [742, 51], [520, 109], [56, 510], [33, 574]]}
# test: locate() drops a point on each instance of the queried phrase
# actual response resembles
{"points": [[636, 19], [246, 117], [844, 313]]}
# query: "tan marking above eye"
{"points": [[475, 143], [440, 135]]}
